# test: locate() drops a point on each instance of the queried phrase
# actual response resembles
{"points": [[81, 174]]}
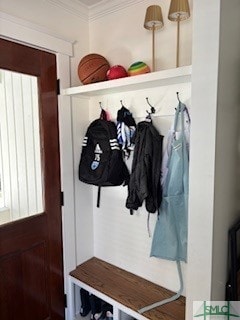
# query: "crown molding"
{"points": [[74, 7], [94, 12], [106, 7]]}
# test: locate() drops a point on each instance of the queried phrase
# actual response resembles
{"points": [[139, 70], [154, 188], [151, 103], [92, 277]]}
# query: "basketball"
{"points": [[93, 68]]}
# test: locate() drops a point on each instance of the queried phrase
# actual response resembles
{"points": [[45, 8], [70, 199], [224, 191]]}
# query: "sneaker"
{"points": [[85, 303], [109, 315]]}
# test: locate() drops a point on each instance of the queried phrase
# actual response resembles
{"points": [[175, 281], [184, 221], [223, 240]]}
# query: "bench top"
{"points": [[128, 289]]}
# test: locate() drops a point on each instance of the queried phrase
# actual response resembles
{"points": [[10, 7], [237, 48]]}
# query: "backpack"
{"points": [[101, 163]]}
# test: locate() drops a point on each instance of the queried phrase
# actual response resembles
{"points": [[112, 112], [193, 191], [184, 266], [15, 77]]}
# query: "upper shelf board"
{"points": [[144, 81]]}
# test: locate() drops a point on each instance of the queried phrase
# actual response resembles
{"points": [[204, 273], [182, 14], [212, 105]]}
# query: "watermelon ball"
{"points": [[138, 68], [116, 72]]}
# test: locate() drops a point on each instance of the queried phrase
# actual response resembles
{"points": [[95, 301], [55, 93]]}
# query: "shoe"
{"points": [[109, 315], [85, 303]]}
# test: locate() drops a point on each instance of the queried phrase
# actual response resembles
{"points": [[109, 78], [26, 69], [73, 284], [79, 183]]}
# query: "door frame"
{"points": [[18, 30]]}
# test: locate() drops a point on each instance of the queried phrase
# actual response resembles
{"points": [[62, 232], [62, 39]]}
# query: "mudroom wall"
{"points": [[227, 182], [119, 238], [121, 37]]}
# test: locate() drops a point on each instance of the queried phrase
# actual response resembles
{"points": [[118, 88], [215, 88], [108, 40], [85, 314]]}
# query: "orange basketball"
{"points": [[93, 68]]}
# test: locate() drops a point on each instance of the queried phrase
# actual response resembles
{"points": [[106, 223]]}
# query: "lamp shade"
{"points": [[153, 18], [179, 10]]}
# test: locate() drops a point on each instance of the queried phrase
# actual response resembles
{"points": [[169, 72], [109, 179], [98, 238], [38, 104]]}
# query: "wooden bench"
{"points": [[126, 292]]}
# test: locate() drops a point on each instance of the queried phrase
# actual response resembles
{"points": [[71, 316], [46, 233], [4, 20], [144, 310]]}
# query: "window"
{"points": [[1, 184], [20, 158]]}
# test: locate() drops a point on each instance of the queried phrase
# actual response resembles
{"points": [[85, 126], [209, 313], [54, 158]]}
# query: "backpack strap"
{"points": [[174, 297], [98, 196]]}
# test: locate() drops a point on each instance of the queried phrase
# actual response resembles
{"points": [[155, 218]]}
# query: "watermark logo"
{"points": [[219, 310]]}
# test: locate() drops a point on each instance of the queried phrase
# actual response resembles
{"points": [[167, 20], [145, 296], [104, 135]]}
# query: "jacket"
{"points": [[145, 178]]}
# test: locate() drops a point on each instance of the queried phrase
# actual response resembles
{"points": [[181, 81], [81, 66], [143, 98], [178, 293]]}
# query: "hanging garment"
{"points": [[144, 181], [170, 234], [126, 127], [170, 138]]}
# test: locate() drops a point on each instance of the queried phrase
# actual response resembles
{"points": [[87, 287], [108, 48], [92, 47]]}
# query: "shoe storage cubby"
{"points": [[126, 292]]}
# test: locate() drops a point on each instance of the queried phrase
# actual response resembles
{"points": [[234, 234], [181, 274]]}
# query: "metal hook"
{"points": [[100, 105], [181, 106], [177, 93], [152, 108], [121, 103]]}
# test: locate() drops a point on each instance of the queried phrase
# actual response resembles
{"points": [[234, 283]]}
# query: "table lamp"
{"points": [[153, 21], [178, 11]]}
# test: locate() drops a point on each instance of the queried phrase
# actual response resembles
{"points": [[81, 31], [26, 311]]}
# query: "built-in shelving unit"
{"points": [[144, 81], [125, 291]]}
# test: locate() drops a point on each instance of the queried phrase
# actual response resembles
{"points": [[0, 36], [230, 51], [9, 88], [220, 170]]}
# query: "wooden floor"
{"points": [[128, 289]]}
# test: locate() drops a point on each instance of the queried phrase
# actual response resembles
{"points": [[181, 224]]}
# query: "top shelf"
{"points": [[144, 81]]}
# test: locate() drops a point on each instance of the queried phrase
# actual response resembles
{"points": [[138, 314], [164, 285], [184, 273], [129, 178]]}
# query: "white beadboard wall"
{"points": [[20, 145], [122, 38], [118, 237], [83, 193]]}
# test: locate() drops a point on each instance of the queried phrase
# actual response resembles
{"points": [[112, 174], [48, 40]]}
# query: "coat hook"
{"points": [[121, 103], [181, 105], [152, 108], [100, 105], [177, 93]]}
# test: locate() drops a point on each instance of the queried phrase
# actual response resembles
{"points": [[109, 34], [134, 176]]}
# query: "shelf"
{"points": [[144, 81]]}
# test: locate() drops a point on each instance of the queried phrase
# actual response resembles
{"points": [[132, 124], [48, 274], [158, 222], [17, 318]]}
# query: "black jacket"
{"points": [[145, 179]]}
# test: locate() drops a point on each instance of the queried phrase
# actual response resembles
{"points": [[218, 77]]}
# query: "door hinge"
{"points": [[65, 300], [58, 86], [62, 198]]}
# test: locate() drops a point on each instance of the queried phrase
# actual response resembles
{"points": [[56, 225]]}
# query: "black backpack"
{"points": [[101, 163]]}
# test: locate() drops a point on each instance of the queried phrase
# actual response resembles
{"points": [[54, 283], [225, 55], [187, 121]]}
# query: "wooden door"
{"points": [[31, 266]]}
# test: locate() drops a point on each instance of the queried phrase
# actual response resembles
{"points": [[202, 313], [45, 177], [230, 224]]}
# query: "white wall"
{"points": [[226, 204], [206, 20], [83, 192], [122, 39], [213, 200]]}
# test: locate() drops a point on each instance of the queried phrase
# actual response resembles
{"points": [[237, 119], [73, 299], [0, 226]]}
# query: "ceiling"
{"points": [[89, 3]]}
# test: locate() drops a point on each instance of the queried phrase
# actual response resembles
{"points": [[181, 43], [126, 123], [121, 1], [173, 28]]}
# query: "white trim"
{"points": [[96, 11], [67, 172], [28, 33], [106, 7]]}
